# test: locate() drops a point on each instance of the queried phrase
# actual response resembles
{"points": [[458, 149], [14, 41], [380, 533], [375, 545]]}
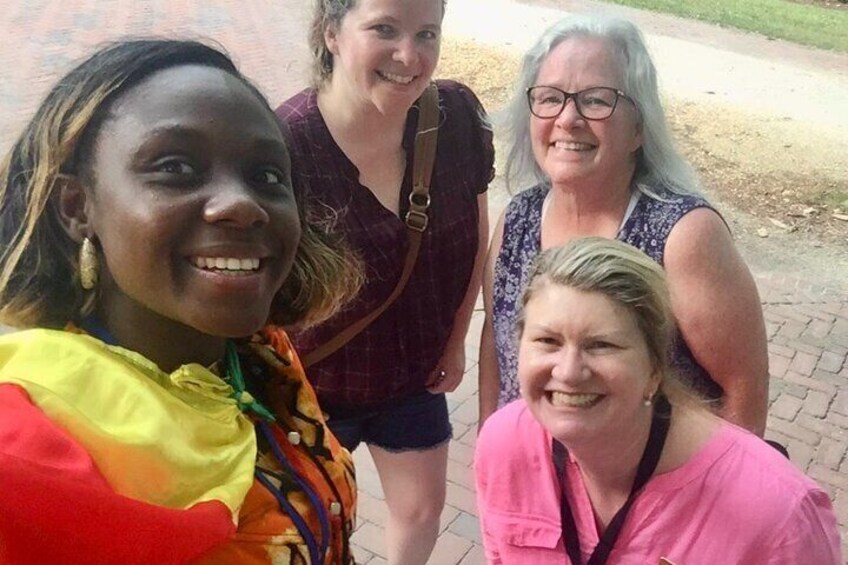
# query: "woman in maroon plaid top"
{"points": [[352, 137]]}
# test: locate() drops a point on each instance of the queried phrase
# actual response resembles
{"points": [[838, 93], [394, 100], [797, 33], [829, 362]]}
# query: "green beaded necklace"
{"points": [[244, 400]]}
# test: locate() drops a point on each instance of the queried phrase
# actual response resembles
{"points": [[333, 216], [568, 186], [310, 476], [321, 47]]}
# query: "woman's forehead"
{"points": [[167, 89], [195, 94], [583, 58]]}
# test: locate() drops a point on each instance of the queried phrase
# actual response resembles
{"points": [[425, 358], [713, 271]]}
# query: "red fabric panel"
{"points": [[26, 433], [55, 506]]}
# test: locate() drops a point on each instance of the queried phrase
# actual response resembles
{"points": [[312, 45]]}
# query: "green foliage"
{"points": [[780, 19]]}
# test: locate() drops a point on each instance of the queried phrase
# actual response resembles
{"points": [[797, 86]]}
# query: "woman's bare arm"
{"points": [[718, 311], [488, 372]]}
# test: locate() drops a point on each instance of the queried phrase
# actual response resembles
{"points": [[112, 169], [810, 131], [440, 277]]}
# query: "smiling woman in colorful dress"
{"points": [[148, 412], [587, 122], [606, 458], [354, 145]]}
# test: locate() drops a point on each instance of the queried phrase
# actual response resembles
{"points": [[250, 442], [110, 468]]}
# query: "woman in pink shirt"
{"points": [[606, 459]]}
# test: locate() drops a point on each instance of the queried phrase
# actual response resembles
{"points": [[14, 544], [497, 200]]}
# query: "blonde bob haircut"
{"points": [[39, 270], [623, 274]]}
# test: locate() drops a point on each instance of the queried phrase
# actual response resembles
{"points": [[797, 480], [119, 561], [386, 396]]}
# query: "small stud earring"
{"points": [[88, 264], [648, 401]]}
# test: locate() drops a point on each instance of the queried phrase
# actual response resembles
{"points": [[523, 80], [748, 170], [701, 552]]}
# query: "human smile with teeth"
{"points": [[584, 375], [571, 399], [574, 146], [227, 264], [213, 224], [384, 53], [398, 79], [570, 149]]}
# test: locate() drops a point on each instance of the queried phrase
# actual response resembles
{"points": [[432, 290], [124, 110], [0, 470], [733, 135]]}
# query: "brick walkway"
{"points": [[807, 325]]}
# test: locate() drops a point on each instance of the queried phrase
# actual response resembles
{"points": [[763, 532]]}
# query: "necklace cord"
{"points": [[247, 403], [323, 518], [647, 465]]}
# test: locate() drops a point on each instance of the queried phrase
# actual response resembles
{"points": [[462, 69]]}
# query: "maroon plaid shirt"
{"points": [[394, 356]]}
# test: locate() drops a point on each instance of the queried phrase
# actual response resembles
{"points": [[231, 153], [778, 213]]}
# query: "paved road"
{"points": [[807, 323]]}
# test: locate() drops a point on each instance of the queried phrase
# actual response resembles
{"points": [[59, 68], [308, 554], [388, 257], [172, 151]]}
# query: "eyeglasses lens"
{"points": [[592, 103]]}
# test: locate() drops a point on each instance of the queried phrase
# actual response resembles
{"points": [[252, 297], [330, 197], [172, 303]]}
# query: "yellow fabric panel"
{"points": [[156, 437]]}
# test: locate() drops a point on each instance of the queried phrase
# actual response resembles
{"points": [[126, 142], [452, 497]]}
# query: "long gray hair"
{"points": [[658, 163]]}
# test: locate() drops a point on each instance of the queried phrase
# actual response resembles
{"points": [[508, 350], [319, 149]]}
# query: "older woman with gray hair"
{"points": [[586, 121], [607, 459]]}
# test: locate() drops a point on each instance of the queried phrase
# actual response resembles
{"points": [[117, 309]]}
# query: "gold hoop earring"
{"points": [[88, 264]]}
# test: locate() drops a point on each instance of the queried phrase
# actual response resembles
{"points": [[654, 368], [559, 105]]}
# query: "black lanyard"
{"points": [[647, 465]]}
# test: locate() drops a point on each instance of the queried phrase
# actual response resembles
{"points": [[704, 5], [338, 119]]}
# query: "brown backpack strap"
{"points": [[423, 159]]}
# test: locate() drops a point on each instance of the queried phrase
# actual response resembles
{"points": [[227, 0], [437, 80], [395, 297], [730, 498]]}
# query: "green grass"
{"points": [[832, 200], [801, 23]]}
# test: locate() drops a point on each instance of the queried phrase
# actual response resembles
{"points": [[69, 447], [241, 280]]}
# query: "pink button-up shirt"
{"points": [[735, 501]]}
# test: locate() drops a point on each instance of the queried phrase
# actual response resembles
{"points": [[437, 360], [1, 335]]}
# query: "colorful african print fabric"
{"points": [[104, 458]]}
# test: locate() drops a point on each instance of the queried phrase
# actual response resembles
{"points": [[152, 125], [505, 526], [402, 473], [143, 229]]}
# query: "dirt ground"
{"points": [[782, 185]]}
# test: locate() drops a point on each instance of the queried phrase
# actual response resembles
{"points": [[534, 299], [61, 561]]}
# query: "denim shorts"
{"points": [[414, 423]]}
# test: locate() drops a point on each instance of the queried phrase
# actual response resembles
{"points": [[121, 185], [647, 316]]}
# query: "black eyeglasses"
{"points": [[597, 103]]}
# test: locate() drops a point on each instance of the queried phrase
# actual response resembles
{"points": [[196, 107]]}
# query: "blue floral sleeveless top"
{"points": [[647, 229]]}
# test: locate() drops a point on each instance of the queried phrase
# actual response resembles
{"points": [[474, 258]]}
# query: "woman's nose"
{"points": [[569, 115], [406, 52], [569, 366], [235, 204]]}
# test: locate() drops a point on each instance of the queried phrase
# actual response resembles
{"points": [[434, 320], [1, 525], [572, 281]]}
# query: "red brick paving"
{"points": [[40, 40]]}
